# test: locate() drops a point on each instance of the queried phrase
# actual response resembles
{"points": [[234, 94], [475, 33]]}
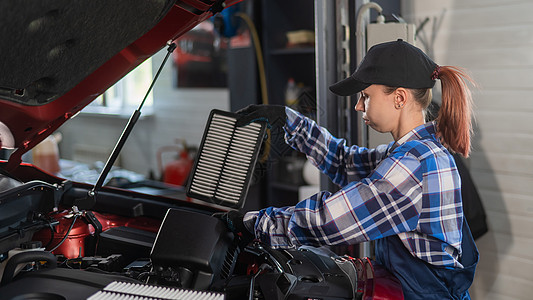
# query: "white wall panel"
{"points": [[502, 121], [503, 183], [505, 245], [510, 100], [504, 163], [502, 142], [515, 204]]}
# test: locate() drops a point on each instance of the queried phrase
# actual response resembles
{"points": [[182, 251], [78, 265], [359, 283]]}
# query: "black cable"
{"points": [[73, 260], [98, 270], [52, 234], [66, 234], [144, 276]]}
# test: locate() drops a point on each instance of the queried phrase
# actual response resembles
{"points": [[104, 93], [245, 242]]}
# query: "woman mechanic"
{"points": [[405, 196]]}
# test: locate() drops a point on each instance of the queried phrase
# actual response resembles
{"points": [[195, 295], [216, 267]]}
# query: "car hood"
{"points": [[59, 55]]}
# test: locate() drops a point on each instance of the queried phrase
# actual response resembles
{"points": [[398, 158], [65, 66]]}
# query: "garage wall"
{"points": [[494, 41], [178, 114]]}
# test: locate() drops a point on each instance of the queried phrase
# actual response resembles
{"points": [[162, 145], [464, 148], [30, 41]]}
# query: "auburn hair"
{"points": [[454, 120]]}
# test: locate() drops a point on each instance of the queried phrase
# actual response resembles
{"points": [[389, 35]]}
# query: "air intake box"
{"points": [[132, 243], [196, 246]]}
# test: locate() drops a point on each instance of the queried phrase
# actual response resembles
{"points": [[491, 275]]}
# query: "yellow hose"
{"points": [[262, 75], [258, 54]]}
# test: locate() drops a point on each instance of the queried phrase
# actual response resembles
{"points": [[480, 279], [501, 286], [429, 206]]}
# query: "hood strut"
{"points": [[92, 194]]}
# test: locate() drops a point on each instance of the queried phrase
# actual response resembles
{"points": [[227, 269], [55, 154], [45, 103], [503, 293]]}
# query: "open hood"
{"points": [[59, 55]]}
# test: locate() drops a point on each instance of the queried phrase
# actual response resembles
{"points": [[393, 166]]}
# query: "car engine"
{"points": [[48, 244]]}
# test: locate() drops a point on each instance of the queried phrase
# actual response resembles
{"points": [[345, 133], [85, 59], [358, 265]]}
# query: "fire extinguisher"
{"points": [[177, 171]]}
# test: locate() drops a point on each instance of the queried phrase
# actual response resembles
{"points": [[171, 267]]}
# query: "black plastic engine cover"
{"points": [[132, 243], [193, 243], [310, 273]]}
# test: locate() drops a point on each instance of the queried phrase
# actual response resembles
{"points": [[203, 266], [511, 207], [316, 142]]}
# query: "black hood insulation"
{"points": [[54, 44]]}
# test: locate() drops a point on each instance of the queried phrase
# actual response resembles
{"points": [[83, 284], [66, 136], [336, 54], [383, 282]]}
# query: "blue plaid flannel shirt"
{"points": [[410, 188]]}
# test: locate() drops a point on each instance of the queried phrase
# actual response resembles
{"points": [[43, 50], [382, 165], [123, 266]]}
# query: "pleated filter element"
{"points": [[133, 291], [226, 159]]}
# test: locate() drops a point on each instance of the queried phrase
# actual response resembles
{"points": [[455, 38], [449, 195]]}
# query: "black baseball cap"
{"points": [[395, 64]]}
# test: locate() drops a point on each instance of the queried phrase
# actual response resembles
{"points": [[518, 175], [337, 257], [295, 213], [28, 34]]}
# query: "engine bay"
{"points": [[49, 244]]}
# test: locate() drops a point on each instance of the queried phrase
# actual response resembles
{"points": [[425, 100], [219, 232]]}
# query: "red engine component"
{"points": [[143, 223], [75, 244]]}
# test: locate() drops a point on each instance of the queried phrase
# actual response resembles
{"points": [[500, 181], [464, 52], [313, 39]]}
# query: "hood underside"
{"points": [[54, 45], [59, 55]]}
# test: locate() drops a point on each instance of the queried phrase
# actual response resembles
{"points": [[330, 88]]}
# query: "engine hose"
{"points": [[26, 257], [66, 234]]}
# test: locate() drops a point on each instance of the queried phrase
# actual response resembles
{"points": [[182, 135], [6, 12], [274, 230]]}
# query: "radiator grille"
{"points": [[225, 160], [132, 291]]}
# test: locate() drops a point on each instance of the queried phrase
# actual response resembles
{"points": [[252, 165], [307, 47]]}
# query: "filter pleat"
{"points": [[225, 160], [134, 291]]}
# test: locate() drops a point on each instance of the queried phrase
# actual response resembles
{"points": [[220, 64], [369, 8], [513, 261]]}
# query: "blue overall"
{"points": [[419, 279]]}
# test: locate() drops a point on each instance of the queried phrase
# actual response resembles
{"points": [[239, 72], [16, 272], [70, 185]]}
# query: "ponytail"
{"points": [[454, 123]]}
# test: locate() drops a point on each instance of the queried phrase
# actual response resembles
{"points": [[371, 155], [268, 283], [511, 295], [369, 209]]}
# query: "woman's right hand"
{"points": [[274, 115]]}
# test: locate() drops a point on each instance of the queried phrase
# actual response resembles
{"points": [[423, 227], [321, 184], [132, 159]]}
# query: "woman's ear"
{"points": [[400, 98]]}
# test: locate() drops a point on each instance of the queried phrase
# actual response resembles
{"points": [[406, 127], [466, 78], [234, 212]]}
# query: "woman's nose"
{"points": [[359, 106]]}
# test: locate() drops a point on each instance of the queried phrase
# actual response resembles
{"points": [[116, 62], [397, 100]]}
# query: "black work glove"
{"points": [[274, 115], [234, 222]]}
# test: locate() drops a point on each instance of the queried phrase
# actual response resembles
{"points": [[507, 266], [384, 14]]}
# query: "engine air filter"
{"points": [[226, 160], [129, 291]]}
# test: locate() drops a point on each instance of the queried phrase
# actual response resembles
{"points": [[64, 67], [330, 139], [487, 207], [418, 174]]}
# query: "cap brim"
{"points": [[348, 86]]}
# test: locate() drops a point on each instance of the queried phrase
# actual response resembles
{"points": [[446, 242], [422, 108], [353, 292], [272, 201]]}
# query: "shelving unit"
{"points": [[283, 61], [293, 51]]}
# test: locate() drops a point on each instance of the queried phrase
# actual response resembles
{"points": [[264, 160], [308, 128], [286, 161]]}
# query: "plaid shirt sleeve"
{"points": [[329, 154], [385, 203], [414, 193]]}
